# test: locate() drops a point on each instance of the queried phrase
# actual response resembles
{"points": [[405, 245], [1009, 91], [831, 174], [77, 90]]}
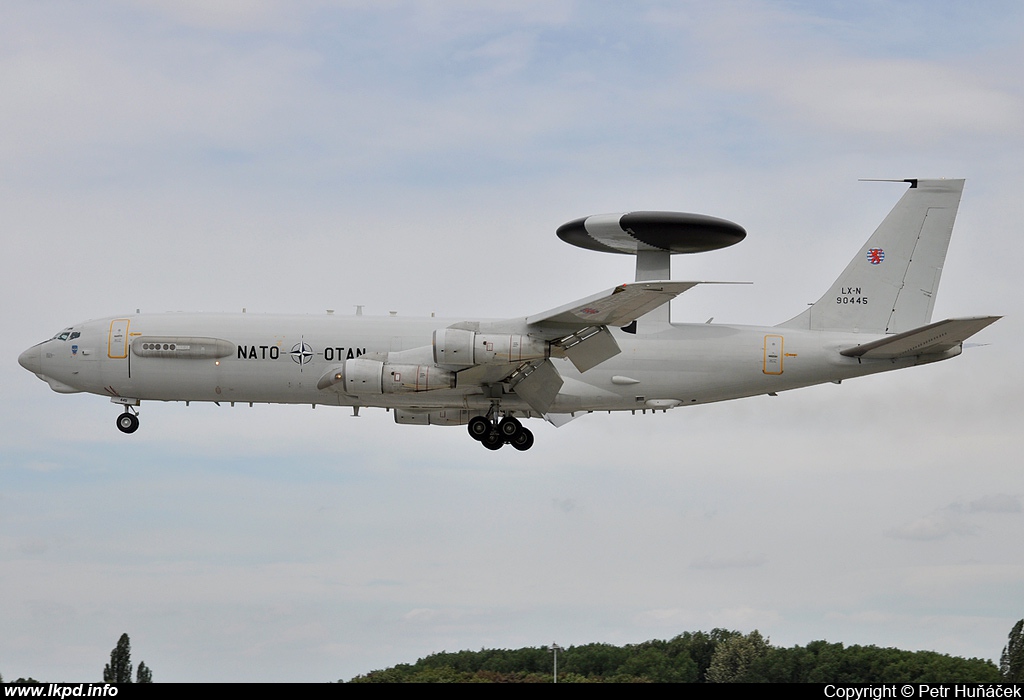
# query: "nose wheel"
{"points": [[128, 422]]}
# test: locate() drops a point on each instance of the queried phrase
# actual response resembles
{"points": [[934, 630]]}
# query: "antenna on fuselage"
{"points": [[653, 237]]}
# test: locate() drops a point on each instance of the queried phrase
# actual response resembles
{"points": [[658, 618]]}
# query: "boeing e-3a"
{"points": [[613, 351]]}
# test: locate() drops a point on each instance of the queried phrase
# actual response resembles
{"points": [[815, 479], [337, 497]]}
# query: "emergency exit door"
{"points": [[117, 339], [772, 354]]}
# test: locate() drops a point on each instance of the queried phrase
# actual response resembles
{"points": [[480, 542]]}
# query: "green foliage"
{"points": [[694, 657], [593, 659], [143, 674], [655, 661], [737, 660], [415, 673], [1011, 663], [654, 664], [119, 670], [821, 662], [700, 647]]}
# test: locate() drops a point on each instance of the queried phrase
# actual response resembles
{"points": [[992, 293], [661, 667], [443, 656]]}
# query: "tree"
{"points": [[735, 659], [119, 670], [658, 667], [700, 647], [144, 674], [1011, 663]]}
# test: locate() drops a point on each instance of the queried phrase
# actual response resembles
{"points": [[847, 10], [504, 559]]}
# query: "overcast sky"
{"points": [[417, 157]]}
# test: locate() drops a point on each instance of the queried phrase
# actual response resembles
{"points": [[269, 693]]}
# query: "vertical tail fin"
{"points": [[890, 285]]}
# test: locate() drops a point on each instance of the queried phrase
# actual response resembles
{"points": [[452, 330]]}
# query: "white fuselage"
{"points": [[281, 359]]}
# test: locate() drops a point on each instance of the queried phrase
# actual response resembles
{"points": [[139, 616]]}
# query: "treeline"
{"points": [[718, 656]]}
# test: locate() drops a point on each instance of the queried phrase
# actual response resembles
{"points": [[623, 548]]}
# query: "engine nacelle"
{"points": [[461, 348], [450, 416], [362, 376]]}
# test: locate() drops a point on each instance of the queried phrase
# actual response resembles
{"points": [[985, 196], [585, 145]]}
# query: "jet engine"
{"points": [[361, 376], [462, 348], [443, 417]]}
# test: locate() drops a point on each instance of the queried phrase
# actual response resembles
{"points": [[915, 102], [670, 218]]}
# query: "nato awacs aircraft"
{"points": [[613, 351]]}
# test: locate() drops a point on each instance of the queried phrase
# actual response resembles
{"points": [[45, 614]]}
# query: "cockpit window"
{"points": [[74, 334], [64, 334]]}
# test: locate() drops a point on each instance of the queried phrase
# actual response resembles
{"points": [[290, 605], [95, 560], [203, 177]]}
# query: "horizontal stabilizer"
{"points": [[615, 307], [933, 339]]}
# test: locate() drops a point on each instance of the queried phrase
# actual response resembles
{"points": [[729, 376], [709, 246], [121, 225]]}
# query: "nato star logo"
{"points": [[302, 353]]}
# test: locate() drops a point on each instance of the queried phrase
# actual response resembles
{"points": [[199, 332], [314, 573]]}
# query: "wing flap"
{"points": [[590, 351], [933, 339], [539, 385]]}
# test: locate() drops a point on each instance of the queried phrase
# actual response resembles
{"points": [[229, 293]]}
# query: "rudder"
{"points": [[890, 285]]}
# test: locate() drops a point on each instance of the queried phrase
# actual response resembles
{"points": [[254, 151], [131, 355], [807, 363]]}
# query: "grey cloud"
{"points": [[996, 503]]}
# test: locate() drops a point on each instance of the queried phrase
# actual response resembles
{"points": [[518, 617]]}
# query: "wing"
{"points": [[579, 331], [618, 306]]}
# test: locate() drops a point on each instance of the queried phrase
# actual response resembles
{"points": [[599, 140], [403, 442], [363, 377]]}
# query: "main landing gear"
{"points": [[128, 422], [493, 434]]}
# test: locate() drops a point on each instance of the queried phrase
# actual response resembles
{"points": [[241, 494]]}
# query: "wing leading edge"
{"points": [[618, 306]]}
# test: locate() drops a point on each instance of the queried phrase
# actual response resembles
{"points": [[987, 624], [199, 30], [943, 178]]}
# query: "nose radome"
{"points": [[30, 360]]}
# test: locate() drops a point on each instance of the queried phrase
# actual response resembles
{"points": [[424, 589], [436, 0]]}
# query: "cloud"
{"points": [[33, 546], [740, 562], [954, 520], [807, 69], [566, 505], [996, 503], [234, 16], [893, 98], [683, 619], [939, 525]]}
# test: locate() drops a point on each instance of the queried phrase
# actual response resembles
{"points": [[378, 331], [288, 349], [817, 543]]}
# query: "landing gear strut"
{"points": [[128, 422], [493, 434]]}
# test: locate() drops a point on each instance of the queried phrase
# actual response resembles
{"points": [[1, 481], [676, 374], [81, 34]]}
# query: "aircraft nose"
{"points": [[30, 360]]}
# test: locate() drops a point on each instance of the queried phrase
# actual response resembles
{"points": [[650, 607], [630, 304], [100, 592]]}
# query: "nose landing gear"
{"points": [[128, 422], [494, 434]]}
